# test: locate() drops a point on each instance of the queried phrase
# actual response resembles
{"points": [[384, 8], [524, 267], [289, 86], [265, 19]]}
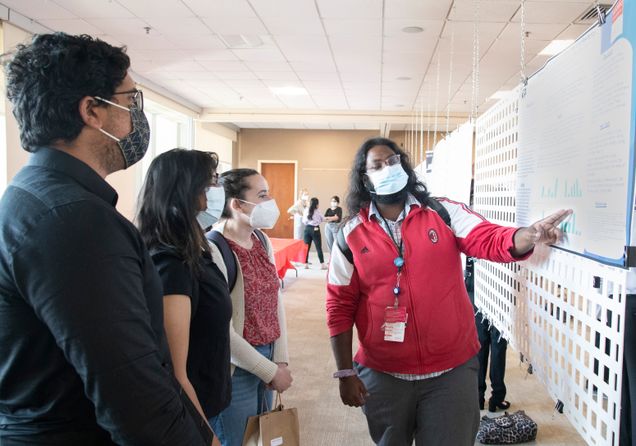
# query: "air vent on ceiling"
{"points": [[591, 15]]}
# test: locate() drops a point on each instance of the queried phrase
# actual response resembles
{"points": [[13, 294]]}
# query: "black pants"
{"points": [[628, 415], [313, 233], [80, 438], [490, 343]]}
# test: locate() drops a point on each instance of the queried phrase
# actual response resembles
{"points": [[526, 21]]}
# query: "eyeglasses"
{"points": [[379, 164], [215, 180], [136, 96]]}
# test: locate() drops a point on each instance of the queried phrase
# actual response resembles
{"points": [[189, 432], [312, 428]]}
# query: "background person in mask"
{"points": [[83, 354], [258, 333], [333, 216], [416, 380], [312, 219], [296, 212], [180, 198]]}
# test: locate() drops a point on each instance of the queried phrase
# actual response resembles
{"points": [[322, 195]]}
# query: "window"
{"points": [[3, 149], [168, 129]]}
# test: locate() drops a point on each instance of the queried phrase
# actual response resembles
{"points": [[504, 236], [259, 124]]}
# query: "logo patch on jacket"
{"points": [[433, 235], [364, 250]]}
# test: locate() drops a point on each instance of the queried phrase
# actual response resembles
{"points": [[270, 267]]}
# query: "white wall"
{"points": [[16, 157], [211, 137]]}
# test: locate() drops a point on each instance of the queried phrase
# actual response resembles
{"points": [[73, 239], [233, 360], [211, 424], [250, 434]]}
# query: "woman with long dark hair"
{"points": [[401, 262], [312, 219], [179, 200]]}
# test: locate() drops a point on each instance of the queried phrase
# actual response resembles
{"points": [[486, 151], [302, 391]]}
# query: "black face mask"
{"points": [[396, 197]]}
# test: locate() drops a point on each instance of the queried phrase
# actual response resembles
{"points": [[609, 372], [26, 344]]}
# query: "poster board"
{"points": [[576, 140]]}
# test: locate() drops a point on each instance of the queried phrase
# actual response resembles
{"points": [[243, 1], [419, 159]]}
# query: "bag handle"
{"points": [[279, 401]]}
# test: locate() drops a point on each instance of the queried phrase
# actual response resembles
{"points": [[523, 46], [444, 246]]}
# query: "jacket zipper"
{"points": [[405, 277]]}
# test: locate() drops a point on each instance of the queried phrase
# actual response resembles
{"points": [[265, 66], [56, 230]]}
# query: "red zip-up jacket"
{"points": [[440, 332]]}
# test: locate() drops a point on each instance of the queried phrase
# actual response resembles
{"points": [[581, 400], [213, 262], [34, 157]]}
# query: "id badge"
{"points": [[394, 323]]}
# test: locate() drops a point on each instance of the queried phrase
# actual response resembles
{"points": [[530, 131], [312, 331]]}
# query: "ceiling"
{"points": [[359, 68]]}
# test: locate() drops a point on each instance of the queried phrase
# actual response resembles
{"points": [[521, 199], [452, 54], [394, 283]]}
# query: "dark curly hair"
{"points": [[358, 195], [169, 200], [47, 78]]}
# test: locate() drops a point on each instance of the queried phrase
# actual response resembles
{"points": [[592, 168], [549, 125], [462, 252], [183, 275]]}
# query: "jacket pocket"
{"points": [[447, 323], [364, 323]]}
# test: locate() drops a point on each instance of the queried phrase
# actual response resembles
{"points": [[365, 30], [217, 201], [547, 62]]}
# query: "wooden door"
{"points": [[281, 178]]}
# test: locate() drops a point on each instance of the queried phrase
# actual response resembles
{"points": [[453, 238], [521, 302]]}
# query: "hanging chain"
{"points": [[436, 98], [475, 77], [407, 137], [524, 77], [421, 129], [410, 136], [428, 121], [477, 66], [600, 13], [413, 136], [450, 75]]}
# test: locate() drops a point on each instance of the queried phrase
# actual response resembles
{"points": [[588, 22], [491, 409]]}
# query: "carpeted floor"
{"points": [[325, 421]]}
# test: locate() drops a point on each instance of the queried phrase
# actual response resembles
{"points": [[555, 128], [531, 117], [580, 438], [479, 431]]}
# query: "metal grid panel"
{"points": [[570, 331]]}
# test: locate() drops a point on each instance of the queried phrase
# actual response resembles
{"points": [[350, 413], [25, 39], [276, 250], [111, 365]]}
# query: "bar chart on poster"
{"points": [[576, 140]]}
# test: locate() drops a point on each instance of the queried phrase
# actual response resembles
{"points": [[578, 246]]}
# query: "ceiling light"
{"points": [[241, 41], [289, 91], [500, 94], [412, 29], [555, 47], [403, 78]]}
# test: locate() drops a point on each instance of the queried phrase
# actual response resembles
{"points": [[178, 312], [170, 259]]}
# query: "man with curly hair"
{"points": [[83, 355]]}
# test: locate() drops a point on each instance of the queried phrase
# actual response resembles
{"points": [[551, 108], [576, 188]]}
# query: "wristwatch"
{"points": [[344, 373]]}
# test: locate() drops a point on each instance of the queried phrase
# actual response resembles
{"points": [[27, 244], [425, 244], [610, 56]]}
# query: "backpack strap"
{"points": [[261, 237], [228, 256], [432, 203], [440, 209]]}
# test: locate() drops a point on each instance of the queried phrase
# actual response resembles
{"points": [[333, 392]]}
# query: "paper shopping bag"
{"points": [[278, 427]]}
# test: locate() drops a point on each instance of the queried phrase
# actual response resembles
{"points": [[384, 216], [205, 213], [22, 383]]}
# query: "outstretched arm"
{"points": [[544, 231]]}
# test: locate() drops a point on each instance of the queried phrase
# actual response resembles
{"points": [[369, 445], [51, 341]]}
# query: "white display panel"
{"points": [[450, 171], [547, 307], [576, 140]]}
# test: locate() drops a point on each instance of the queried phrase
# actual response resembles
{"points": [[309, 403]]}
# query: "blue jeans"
{"points": [[250, 397]]}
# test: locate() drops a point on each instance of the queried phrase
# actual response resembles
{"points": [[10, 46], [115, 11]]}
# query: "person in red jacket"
{"points": [[415, 372]]}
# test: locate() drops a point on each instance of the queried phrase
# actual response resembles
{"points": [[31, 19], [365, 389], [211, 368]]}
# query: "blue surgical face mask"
{"points": [[215, 199], [388, 180]]}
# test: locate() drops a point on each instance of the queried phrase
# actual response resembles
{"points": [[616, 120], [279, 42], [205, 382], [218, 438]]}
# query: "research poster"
{"points": [[576, 140]]}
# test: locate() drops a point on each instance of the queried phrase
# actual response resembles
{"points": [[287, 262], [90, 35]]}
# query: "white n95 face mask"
{"points": [[264, 215], [389, 180], [215, 202]]}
